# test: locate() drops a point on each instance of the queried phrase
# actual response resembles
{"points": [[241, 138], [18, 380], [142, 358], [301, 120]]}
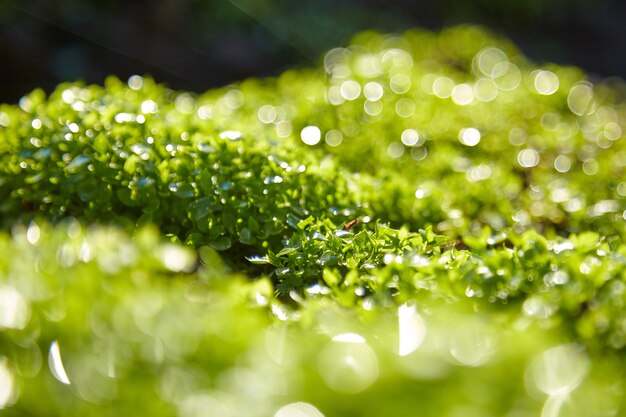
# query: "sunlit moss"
{"points": [[422, 222]]}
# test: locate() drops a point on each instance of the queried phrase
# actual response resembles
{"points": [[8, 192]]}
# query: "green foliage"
{"points": [[105, 162], [103, 321], [425, 220]]}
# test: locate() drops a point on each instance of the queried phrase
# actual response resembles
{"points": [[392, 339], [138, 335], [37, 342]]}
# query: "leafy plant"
{"points": [[424, 220]]}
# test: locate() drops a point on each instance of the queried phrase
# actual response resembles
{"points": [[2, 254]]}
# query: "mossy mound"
{"points": [[423, 222]]}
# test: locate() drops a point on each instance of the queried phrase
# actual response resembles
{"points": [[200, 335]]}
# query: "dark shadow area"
{"points": [[196, 45]]}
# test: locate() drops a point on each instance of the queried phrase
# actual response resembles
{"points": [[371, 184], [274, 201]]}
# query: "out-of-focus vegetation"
{"points": [[422, 222], [196, 45]]}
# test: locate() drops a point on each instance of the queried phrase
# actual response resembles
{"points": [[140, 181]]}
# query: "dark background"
{"points": [[199, 44]]}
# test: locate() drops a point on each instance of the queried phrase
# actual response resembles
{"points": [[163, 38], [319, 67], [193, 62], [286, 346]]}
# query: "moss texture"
{"points": [[424, 224]]}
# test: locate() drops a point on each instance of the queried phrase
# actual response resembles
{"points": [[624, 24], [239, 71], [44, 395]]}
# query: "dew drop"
{"points": [[442, 87], [298, 409], [546, 82], [373, 108], [562, 163], [506, 76], [33, 233], [232, 135], [343, 233], [350, 90], [135, 82], [528, 158], [267, 113], [488, 59], [275, 179], [373, 91], [485, 90], [612, 131], [472, 345], [176, 258], [405, 107], [149, 106], [124, 118], [311, 135], [395, 150], [462, 94], [56, 363], [591, 167], [537, 307], [411, 329], [469, 136], [7, 385], [419, 153], [14, 309], [334, 96], [400, 83], [580, 99], [347, 364], [411, 137], [559, 370], [334, 138]]}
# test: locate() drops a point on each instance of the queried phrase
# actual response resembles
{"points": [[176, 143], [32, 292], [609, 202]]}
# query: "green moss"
{"points": [[422, 221]]}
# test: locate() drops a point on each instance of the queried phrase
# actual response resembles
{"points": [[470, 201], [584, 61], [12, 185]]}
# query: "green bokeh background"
{"points": [[196, 45]]}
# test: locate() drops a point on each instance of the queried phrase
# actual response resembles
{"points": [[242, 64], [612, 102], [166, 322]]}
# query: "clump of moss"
{"points": [[418, 208]]}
